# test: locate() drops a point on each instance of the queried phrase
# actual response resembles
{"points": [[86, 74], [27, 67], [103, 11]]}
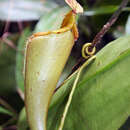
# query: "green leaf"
{"points": [[5, 111], [101, 99], [20, 59], [103, 10], [22, 121], [7, 68]]}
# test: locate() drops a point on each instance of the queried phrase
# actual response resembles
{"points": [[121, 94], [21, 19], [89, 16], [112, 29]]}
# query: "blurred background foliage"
{"points": [[20, 18]]}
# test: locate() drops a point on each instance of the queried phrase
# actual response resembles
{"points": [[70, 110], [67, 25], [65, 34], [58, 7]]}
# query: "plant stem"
{"points": [[110, 22], [7, 106]]}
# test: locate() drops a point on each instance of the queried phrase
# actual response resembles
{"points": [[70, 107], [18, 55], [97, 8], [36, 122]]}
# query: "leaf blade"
{"points": [[90, 105]]}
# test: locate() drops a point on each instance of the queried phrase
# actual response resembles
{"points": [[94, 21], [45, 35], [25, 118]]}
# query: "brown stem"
{"points": [[104, 29], [110, 22]]}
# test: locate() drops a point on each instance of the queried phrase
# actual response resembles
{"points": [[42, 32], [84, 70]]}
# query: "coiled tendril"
{"points": [[87, 51]]}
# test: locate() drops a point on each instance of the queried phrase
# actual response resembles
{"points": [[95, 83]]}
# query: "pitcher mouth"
{"points": [[68, 24]]}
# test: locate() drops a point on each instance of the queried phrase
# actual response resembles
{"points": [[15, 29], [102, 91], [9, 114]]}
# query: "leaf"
{"points": [[27, 9], [127, 28], [109, 9], [101, 10], [22, 121], [5, 111], [20, 59], [7, 68], [101, 99]]}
